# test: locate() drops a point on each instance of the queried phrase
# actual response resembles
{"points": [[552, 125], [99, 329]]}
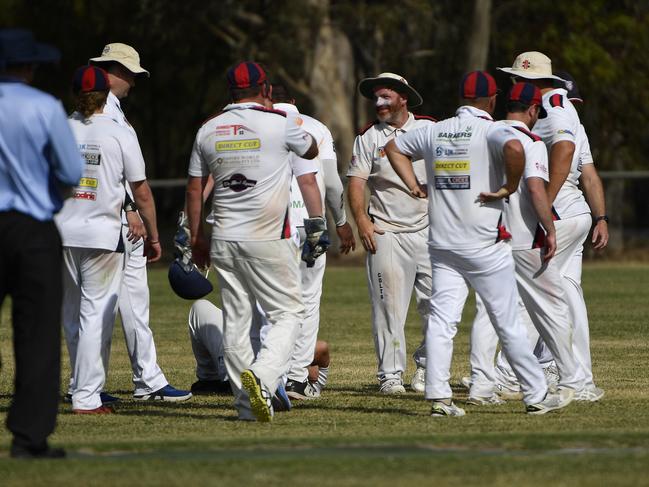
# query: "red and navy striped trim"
{"points": [[555, 215], [556, 101], [367, 127], [539, 237], [269, 110], [424, 117], [531, 135], [503, 234]]}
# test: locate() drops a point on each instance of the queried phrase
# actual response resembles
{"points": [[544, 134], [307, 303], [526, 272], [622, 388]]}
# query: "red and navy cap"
{"points": [[525, 93], [477, 84], [245, 75], [90, 78]]}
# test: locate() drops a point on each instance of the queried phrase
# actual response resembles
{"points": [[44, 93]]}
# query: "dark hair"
{"points": [[88, 103], [241, 93], [281, 93], [516, 107]]}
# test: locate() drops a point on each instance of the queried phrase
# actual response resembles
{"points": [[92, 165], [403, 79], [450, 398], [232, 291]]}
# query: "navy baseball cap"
{"points": [[90, 78], [527, 94], [18, 46], [246, 75], [478, 84], [571, 85]]}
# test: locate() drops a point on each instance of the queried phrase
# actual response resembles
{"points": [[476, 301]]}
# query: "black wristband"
{"points": [[601, 218], [130, 206]]}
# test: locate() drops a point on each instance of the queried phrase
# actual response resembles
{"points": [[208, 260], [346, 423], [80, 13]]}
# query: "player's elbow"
{"points": [[312, 151]]}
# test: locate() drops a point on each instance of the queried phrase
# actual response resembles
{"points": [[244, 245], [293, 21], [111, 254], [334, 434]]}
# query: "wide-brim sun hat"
{"points": [[18, 46], [122, 54], [393, 81], [532, 65]]}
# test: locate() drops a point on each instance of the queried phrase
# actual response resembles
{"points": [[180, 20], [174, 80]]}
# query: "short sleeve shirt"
{"points": [[460, 155], [391, 206], [92, 217], [246, 148]]}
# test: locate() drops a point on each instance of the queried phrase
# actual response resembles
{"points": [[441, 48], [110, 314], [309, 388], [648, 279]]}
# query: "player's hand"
{"points": [[420, 191], [487, 197], [346, 236], [201, 252], [600, 235], [550, 247], [317, 239], [366, 231], [152, 251], [136, 229]]}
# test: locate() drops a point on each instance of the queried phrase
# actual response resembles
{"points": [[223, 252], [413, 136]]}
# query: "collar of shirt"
{"points": [[114, 102], [516, 123], [286, 107], [388, 130], [469, 111], [241, 106]]}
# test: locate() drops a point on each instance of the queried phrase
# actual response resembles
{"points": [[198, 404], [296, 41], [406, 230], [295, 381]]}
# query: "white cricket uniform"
{"points": [[134, 296], [90, 228], [574, 219], [332, 194], [401, 261], [246, 148], [462, 156], [539, 285]]}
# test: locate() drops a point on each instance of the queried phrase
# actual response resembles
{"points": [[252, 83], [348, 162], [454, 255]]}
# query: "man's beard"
{"points": [[390, 116]]}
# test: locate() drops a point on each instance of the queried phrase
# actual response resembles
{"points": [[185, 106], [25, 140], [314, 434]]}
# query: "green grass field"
{"points": [[353, 436]]}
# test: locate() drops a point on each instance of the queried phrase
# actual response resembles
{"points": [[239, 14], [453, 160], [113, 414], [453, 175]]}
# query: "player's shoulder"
{"points": [[424, 118], [366, 128], [531, 135], [273, 111]]}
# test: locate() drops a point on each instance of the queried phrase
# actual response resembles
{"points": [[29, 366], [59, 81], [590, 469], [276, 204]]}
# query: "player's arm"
{"points": [[365, 226], [402, 165], [298, 140], [311, 194], [561, 155], [136, 228], [543, 209], [194, 199], [593, 188], [336, 204], [146, 205]]}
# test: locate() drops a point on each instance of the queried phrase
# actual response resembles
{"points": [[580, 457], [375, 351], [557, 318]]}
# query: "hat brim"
{"points": [[43, 54], [528, 75], [133, 68], [367, 86]]}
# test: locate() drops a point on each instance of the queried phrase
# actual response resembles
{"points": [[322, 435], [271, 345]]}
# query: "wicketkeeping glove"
{"points": [[182, 246], [317, 239]]}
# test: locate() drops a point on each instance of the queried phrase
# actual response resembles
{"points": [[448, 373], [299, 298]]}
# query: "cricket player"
{"points": [[91, 232], [298, 385], [467, 238], [122, 63], [246, 148], [392, 229], [560, 132], [530, 223]]}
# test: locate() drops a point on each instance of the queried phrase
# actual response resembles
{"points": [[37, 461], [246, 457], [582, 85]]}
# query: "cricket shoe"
{"points": [[300, 390], [418, 382], [440, 409], [167, 393], [589, 394], [551, 374], [260, 399], [207, 387], [100, 410], [492, 400], [508, 391], [551, 402], [106, 399], [392, 387], [281, 401]]}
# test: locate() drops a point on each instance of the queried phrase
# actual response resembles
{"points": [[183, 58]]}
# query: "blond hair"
{"points": [[89, 103]]}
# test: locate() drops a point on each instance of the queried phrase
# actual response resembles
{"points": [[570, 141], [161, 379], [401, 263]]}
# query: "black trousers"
{"points": [[30, 272]]}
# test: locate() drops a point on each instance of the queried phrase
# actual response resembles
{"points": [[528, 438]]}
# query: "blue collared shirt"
{"points": [[38, 153]]}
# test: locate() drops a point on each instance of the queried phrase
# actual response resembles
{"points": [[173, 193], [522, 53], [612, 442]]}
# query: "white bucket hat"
{"points": [[366, 87], [532, 65], [122, 54]]}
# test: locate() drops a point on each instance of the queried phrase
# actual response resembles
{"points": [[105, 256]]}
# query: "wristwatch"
{"points": [[600, 218], [130, 206]]}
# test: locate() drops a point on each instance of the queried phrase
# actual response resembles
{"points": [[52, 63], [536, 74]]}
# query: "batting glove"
{"points": [[317, 239], [181, 238]]}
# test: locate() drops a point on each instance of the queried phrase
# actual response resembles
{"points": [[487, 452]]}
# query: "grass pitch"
{"points": [[353, 436]]}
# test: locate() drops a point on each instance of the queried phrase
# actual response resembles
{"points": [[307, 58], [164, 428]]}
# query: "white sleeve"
{"points": [[134, 168], [416, 143], [297, 139], [197, 166], [498, 135], [536, 161], [562, 126], [301, 166], [334, 191], [585, 156], [326, 148], [361, 163]]}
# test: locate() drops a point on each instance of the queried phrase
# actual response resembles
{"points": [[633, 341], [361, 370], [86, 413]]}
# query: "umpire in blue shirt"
{"points": [[39, 163]]}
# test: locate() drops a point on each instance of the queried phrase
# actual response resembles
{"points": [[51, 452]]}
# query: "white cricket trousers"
{"points": [[308, 334], [268, 273], [544, 299], [206, 337], [134, 311], [91, 286], [490, 271], [401, 263]]}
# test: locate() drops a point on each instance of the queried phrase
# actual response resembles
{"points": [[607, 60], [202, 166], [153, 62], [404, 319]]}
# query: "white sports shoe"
{"points": [[551, 402], [391, 387], [418, 382], [466, 382], [442, 410], [494, 400], [590, 394]]}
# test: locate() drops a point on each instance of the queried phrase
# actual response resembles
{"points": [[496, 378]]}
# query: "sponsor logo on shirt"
{"points": [[451, 151], [354, 161], [541, 167], [238, 183], [565, 131], [88, 183], [232, 130], [452, 166], [91, 153], [381, 151], [465, 134], [85, 195], [453, 182], [235, 145]]}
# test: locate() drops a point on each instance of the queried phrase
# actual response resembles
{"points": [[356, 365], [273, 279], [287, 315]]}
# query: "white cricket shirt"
{"points": [[92, 218], [462, 158], [391, 205], [246, 148], [522, 220]]}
